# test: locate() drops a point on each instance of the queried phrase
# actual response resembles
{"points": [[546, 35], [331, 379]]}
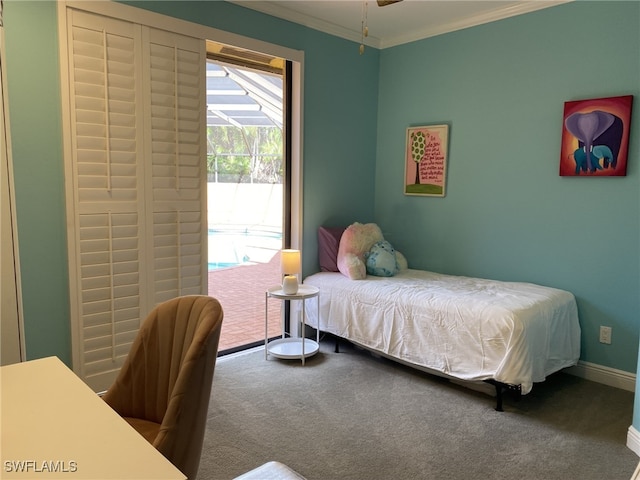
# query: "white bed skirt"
{"points": [[467, 328]]}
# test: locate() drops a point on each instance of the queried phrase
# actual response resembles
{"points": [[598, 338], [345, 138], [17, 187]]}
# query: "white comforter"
{"points": [[468, 328]]}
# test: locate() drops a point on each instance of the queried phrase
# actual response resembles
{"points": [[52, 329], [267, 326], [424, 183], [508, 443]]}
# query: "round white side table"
{"points": [[291, 347]]}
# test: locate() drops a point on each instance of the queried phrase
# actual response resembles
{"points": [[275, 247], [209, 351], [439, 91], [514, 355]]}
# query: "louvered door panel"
{"points": [[110, 294], [178, 254], [108, 188], [105, 109], [177, 108], [176, 104], [136, 181]]}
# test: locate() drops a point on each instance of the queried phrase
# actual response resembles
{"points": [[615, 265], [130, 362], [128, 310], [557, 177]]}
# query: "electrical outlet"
{"points": [[605, 335]]}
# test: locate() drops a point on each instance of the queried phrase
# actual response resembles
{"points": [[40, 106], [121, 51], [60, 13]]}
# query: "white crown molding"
{"points": [[500, 14], [308, 21], [355, 35]]}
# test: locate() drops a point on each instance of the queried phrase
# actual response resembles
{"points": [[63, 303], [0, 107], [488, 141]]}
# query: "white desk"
{"points": [[54, 426]]}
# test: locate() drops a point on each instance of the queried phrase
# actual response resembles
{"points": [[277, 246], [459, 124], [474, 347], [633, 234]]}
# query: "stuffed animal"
{"points": [[381, 260], [357, 239], [402, 261], [356, 243]]}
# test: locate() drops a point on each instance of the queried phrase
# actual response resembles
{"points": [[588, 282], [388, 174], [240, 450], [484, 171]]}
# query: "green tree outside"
{"points": [[244, 155]]}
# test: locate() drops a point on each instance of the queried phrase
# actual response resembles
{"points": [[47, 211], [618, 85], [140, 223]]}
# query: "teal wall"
{"points": [[33, 83], [507, 213], [339, 151]]}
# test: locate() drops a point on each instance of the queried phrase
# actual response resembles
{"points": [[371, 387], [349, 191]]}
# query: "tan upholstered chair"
{"points": [[164, 386]]}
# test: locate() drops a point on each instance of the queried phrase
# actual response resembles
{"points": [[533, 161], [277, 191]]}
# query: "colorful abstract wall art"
{"points": [[595, 137]]}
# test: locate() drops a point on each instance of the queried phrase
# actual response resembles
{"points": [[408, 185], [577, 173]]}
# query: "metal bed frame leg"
{"points": [[499, 391], [500, 388]]}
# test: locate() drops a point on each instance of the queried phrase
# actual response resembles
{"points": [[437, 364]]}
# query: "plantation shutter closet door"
{"points": [[177, 146], [135, 182]]}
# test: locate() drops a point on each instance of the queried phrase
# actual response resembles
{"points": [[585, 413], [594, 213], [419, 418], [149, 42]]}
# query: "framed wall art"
{"points": [[426, 160], [595, 137]]}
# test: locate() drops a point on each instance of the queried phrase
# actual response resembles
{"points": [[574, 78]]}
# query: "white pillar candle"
{"points": [[290, 284]]}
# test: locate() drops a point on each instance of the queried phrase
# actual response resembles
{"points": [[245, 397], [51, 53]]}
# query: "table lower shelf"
{"points": [[291, 348]]}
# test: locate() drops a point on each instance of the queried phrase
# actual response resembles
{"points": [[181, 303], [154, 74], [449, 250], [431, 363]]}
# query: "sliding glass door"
{"points": [[247, 192]]}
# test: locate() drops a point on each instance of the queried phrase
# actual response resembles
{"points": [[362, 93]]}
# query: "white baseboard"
{"points": [[605, 375], [633, 440], [613, 378]]}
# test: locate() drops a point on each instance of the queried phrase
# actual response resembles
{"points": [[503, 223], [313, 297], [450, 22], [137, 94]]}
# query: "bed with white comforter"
{"points": [[472, 329]]}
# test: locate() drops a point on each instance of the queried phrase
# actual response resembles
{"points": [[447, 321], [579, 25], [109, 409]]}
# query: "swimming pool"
{"points": [[233, 246]]}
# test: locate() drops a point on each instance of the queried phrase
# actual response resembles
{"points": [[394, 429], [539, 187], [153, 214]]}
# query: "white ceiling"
{"points": [[395, 24]]}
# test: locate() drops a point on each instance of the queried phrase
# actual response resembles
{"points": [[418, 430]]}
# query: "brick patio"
{"points": [[241, 292]]}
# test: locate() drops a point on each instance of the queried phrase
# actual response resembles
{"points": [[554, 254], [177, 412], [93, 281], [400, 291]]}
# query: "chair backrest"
{"points": [[168, 373]]}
